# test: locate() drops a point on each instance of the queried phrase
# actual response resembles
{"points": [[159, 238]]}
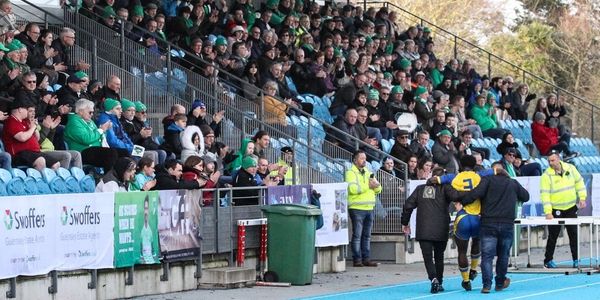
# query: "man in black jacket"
{"points": [[499, 195], [433, 224], [168, 177]]}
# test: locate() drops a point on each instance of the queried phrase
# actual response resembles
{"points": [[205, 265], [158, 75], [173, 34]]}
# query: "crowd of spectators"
{"points": [[374, 71]]}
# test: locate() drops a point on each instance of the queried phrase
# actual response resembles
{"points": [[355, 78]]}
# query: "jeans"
{"points": [[434, 267], [496, 240], [362, 221]]}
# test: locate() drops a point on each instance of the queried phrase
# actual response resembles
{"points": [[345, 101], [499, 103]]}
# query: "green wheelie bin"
{"points": [[291, 241]]}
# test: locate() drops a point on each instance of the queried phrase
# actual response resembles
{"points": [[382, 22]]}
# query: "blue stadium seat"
{"points": [[42, 186], [14, 186], [30, 185], [56, 183], [70, 181], [86, 182]]}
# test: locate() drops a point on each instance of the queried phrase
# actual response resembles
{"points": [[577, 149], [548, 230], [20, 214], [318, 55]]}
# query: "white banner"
{"points": [[334, 205], [56, 232]]}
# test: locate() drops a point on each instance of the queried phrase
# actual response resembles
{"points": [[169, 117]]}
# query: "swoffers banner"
{"points": [[135, 228], [43, 233]]}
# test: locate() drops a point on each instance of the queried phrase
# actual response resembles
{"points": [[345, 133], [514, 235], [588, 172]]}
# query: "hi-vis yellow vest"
{"points": [[561, 191], [360, 196]]}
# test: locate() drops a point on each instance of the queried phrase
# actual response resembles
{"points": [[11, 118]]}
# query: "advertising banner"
{"points": [[135, 228], [334, 205], [179, 224], [45, 232], [286, 194]]}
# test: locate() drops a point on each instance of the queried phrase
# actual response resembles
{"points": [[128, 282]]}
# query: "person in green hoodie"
{"points": [[246, 149], [82, 134], [484, 115]]}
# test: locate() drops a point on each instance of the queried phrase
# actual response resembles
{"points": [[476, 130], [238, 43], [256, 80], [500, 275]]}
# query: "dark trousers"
{"points": [[433, 257], [554, 230], [102, 157]]}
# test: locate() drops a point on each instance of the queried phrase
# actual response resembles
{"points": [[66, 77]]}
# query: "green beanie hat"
{"points": [[248, 162], [397, 90], [3, 48], [108, 12], [420, 91], [337, 52], [404, 63], [490, 95], [110, 103], [445, 132], [139, 106], [368, 40], [272, 3], [373, 95], [15, 45], [81, 75], [126, 104], [387, 75], [389, 48], [138, 10], [221, 41]]}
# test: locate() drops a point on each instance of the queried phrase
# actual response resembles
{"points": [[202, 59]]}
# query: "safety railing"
{"points": [[451, 45]]}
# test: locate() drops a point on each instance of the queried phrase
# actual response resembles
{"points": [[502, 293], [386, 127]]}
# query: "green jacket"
{"points": [[81, 135], [437, 77], [360, 196], [483, 119]]}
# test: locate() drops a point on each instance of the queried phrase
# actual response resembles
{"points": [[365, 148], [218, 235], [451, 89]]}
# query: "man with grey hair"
{"points": [[65, 41]]}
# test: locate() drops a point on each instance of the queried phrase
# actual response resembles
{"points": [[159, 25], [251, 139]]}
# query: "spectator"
{"points": [[465, 146], [525, 168], [21, 138], [194, 171], [518, 102], [507, 161], [119, 178], [261, 141], [68, 95], [420, 146], [8, 20], [388, 167], [556, 109], [444, 152], [484, 114], [547, 138], [286, 172], [401, 149], [175, 110], [139, 131], [412, 167], [172, 143], [424, 109], [362, 191], [65, 41], [424, 169], [110, 90], [458, 108], [145, 179], [246, 149], [251, 81], [192, 142], [364, 130], [346, 95], [81, 134], [29, 36], [275, 110], [168, 177], [246, 178], [115, 135], [46, 131], [28, 93], [439, 123], [198, 116]]}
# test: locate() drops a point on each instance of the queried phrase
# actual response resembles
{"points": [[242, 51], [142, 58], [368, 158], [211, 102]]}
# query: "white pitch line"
{"points": [[553, 291], [461, 291]]}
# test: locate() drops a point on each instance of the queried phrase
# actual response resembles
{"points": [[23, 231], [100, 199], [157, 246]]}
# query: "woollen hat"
{"points": [[126, 104], [81, 74], [138, 11], [405, 63], [248, 162], [110, 104], [420, 91], [373, 95], [221, 41], [139, 106], [397, 90], [445, 132]]}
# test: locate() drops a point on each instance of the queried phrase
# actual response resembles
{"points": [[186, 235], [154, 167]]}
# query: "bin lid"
{"points": [[293, 209]]}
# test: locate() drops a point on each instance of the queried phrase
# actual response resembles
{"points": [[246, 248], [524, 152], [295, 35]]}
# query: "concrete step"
{"points": [[228, 277]]}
